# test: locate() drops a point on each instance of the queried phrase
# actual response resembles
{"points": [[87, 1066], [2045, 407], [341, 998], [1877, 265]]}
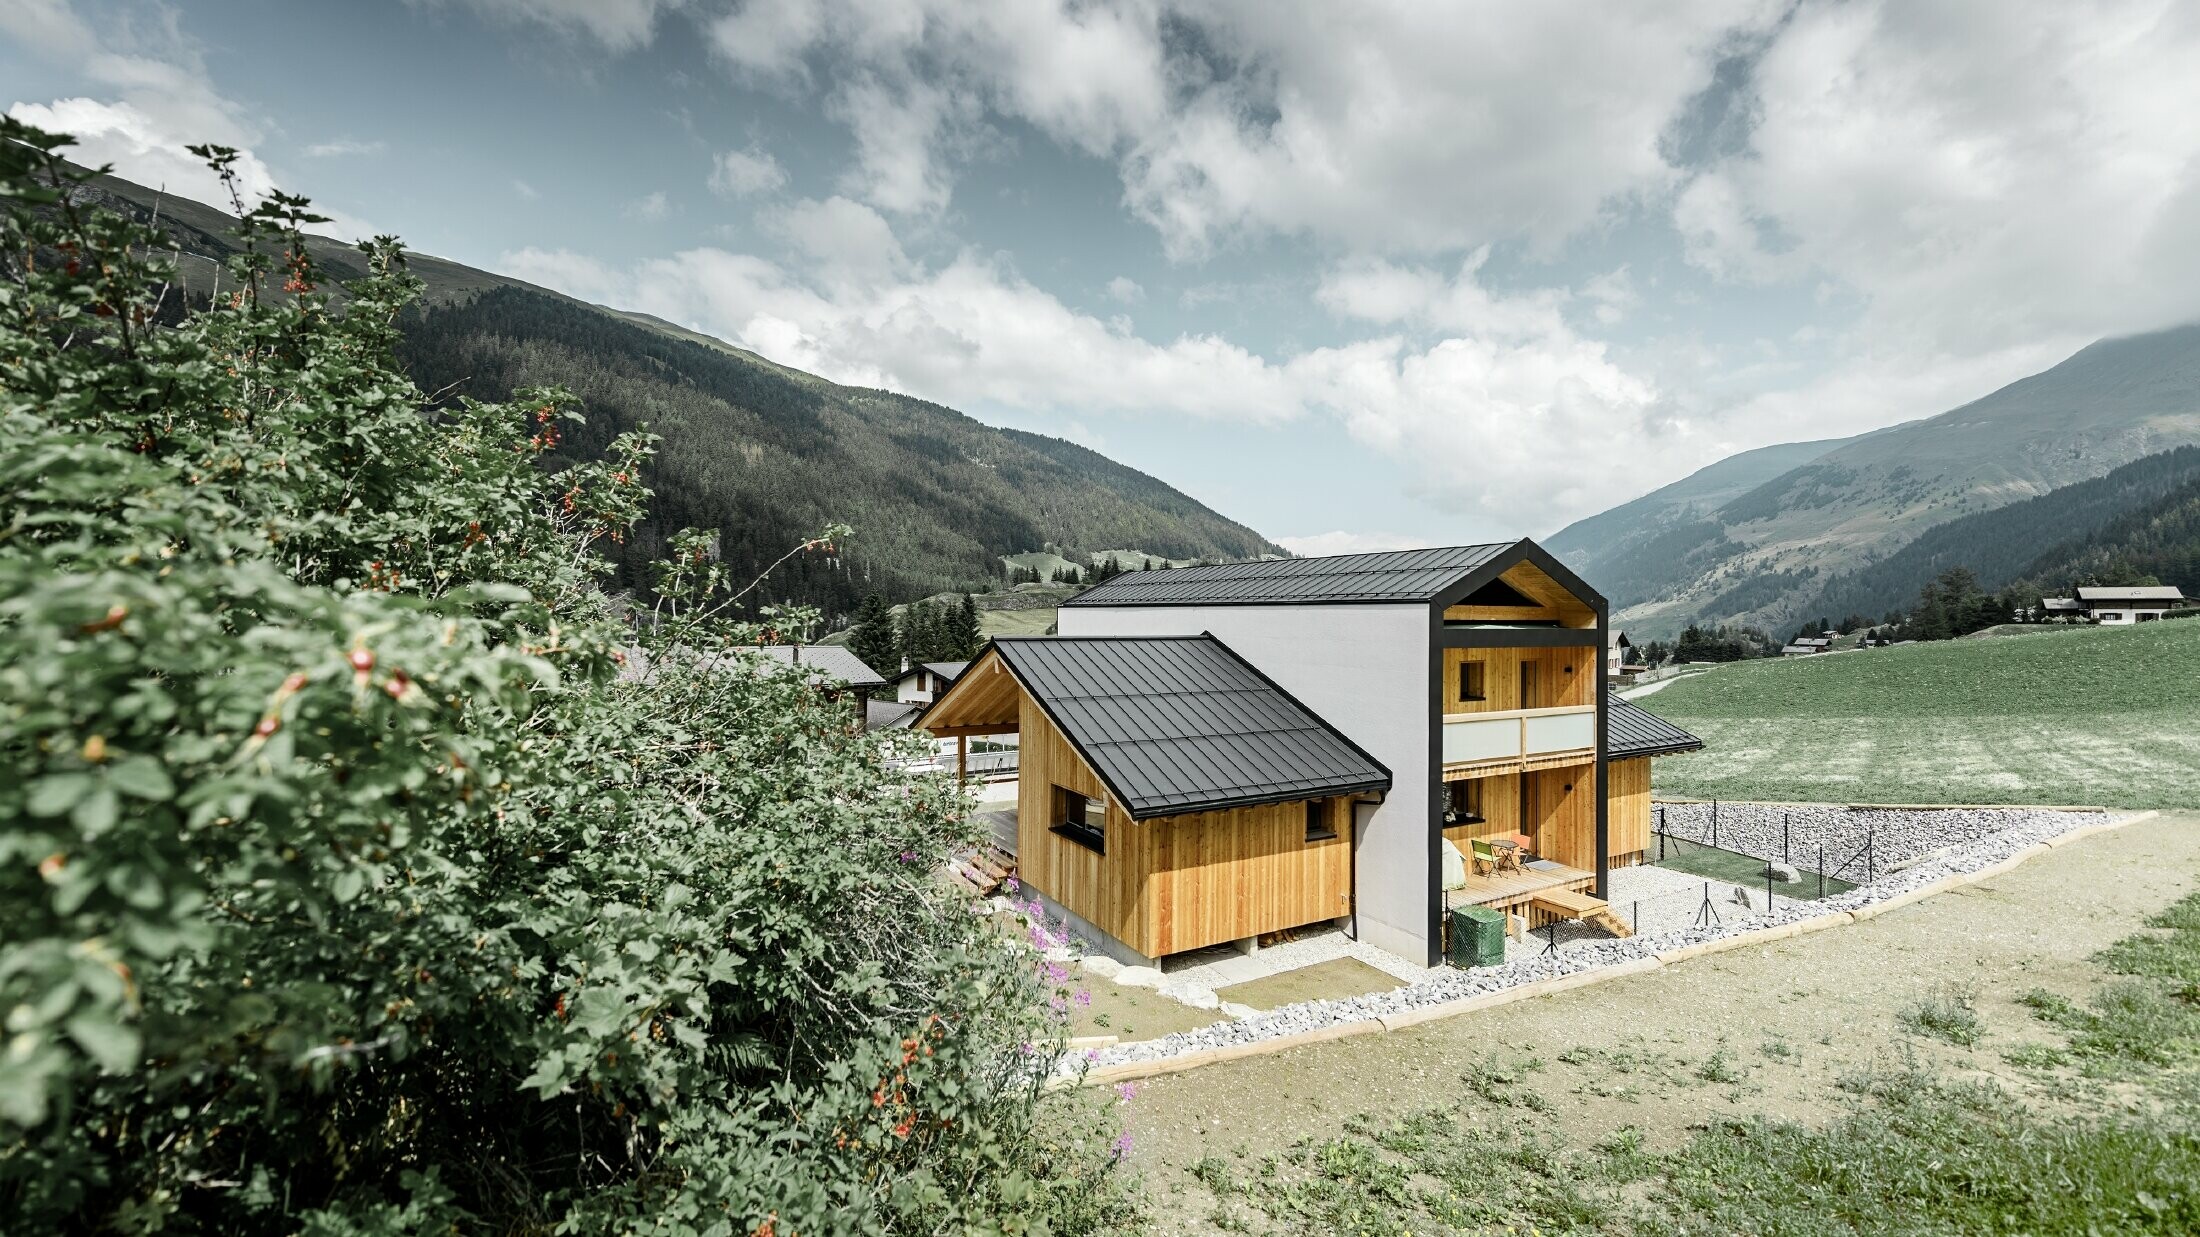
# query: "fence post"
{"points": [[1636, 921], [1871, 856], [1821, 871], [1714, 822], [1785, 857], [1768, 889]]}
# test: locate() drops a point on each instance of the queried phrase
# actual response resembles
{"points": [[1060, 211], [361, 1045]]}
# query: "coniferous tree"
{"points": [[964, 639], [872, 637]]}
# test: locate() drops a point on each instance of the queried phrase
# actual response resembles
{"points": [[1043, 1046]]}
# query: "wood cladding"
{"points": [[1552, 603], [1175, 883], [1506, 673], [1629, 784], [1556, 808]]}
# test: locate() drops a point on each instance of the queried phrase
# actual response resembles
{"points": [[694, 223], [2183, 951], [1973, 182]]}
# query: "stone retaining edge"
{"points": [[1131, 1070]]}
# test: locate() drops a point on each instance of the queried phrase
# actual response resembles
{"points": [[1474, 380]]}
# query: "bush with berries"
{"points": [[349, 885]]}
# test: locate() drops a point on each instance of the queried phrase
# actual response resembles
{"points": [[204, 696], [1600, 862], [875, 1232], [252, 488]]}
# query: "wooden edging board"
{"points": [[1897, 807], [1131, 1070]]}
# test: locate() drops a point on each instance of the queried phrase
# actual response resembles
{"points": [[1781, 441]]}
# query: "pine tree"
{"points": [[913, 637], [963, 637], [871, 639]]}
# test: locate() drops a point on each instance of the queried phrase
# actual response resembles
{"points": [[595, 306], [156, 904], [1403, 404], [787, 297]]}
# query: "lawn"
{"points": [[2083, 715]]}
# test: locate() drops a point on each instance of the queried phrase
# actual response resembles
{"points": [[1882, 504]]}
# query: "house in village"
{"points": [[1619, 656], [923, 682], [1214, 753], [835, 672], [2129, 604], [1805, 646]]}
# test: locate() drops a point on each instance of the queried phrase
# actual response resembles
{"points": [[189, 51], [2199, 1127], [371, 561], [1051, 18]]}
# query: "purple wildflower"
{"points": [[1125, 1090], [1084, 998], [1122, 1144]]}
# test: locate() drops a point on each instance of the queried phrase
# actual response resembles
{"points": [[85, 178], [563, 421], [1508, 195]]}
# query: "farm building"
{"points": [[1213, 753], [2136, 604]]}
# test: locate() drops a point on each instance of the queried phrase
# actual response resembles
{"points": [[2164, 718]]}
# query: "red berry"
{"points": [[362, 660]]}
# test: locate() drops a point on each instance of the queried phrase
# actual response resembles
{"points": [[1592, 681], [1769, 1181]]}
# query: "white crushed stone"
{"points": [[1997, 835]]}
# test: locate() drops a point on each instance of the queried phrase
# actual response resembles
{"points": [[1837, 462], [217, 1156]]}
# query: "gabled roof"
{"points": [[1631, 730], [1178, 724], [949, 670], [2145, 592], [889, 714], [1396, 576]]}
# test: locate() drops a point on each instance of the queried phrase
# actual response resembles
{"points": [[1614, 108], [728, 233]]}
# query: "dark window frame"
{"points": [[1318, 828], [1471, 813], [1071, 819], [1474, 685]]}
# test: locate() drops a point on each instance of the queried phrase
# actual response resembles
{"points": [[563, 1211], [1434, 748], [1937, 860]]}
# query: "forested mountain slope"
{"points": [[763, 453], [2088, 527], [1766, 555], [2160, 538]]}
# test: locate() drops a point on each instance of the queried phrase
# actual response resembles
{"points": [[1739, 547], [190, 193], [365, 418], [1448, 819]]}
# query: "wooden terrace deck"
{"points": [[1512, 892]]}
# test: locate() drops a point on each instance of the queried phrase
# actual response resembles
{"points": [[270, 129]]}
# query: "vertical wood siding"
{"points": [[1629, 782], [1501, 679], [1177, 882]]}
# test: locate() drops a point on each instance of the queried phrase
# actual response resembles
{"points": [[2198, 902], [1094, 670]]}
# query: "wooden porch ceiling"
{"points": [[985, 700]]}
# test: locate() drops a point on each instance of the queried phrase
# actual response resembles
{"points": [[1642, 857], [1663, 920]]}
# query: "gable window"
{"points": [[1318, 828], [1081, 819], [1471, 687]]}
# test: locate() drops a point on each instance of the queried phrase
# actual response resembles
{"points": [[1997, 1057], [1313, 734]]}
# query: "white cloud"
{"points": [[1984, 175], [1318, 545], [527, 192], [745, 173], [344, 147], [1394, 127], [1612, 294], [620, 25], [652, 207], [1126, 290]]}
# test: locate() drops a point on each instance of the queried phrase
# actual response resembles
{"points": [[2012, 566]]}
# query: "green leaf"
{"points": [[97, 812], [55, 795], [109, 1042], [348, 884], [141, 777]]}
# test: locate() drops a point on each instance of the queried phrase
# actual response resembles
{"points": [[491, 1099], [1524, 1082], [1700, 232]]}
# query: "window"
{"points": [[1317, 821], [1470, 681], [1081, 820], [1466, 803]]}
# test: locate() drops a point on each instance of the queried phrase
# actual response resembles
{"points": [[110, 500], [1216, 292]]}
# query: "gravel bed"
{"points": [[2017, 830], [1896, 835]]}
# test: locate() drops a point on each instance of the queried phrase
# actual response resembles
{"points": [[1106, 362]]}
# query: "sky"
{"points": [[1366, 276]]}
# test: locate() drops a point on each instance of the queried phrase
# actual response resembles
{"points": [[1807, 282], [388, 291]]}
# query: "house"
{"points": [[2130, 604], [923, 682], [2061, 610], [1619, 656], [834, 671], [1804, 646], [1217, 752]]}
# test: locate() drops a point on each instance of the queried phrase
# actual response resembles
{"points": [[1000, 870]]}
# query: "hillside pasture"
{"points": [[2100, 715]]}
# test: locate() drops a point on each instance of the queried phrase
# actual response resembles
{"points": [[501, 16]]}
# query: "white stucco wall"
{"points": [[1364, 670]]}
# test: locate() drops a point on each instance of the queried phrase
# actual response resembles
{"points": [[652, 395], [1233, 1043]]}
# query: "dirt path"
{"points": [[1767, 1029]]}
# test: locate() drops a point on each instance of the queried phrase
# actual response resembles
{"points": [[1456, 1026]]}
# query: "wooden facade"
{"points": [[1175, 883], [1629, 793], [1554, 808], [1557, 678]]}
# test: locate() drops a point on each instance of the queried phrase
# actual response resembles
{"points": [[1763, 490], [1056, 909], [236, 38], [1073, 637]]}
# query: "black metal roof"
{"points": [[1389, 576], [1176, 724], [1631, 730]]}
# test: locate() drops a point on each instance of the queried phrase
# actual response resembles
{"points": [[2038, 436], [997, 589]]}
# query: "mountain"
{"points": [[2129, 516], [2160, 538], [1765, 555], [1628, 551], [763, 453]]}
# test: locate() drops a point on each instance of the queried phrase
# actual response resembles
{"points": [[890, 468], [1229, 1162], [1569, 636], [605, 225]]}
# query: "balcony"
{"points": [[1520, 738]]}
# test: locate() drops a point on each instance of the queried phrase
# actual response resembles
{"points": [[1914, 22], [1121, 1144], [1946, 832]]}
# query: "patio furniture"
{"points": [[1507, 854], [1485, 856]]}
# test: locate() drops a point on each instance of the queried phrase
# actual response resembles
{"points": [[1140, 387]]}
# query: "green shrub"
{"points": [[1947, 1014], [348, 890]]}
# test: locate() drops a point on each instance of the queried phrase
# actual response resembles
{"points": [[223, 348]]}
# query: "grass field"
{"points": [[2102, 715], [1744, 870]]}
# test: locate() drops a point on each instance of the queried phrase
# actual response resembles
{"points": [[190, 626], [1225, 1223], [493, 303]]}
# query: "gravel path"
{"points": [[1634, 1051], [2016, 831]]}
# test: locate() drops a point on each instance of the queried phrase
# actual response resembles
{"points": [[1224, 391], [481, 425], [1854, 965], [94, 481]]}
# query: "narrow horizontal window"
{"points": [[1081, 819]]}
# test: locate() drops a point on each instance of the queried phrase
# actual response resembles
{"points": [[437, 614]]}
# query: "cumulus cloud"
{"points": [[526, 192], [745, 173], [1395, 126], [1984, 175], [1126, 290]]}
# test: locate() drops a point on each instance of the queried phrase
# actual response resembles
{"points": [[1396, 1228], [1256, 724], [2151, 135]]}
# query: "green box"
{"points": [[1477, 936]]}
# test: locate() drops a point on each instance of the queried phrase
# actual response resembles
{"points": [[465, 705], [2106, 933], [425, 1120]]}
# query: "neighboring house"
{"points": [[1804, 646], [1213, 753], [2061, 610], [834, 670], [922, 684], [2131, 604], [1619, 656]]}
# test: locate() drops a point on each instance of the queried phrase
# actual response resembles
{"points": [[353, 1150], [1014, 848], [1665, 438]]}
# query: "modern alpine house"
{"points": [[1214, 753]]}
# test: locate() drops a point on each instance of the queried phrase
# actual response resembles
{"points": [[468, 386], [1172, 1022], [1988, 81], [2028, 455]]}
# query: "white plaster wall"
{"points": [[1364, 670]]}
